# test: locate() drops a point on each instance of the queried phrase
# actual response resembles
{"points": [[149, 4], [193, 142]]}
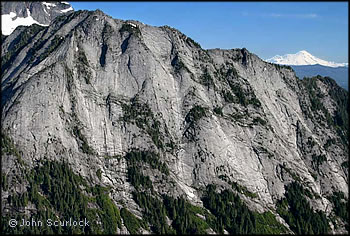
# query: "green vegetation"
{"points": [[61, 110], [22, 40], [107, 30], [8, 147], [195, 114], [235, 217], [243, 96], [317, 160], [83, 144], [242, 189], [232, 72], [154, 212], [126, 27], [99, 174], [218, 111], [329, 143], [206, 79], [340, 206], [142, 116], [133, 157], [152, 208], [259, 120], [291, 173], [110, 215], [83, 66], [132, 223], [240, 94], [191, 41], [228, 97], [179, 65], [4, 183], [266, 223], [70, 82], [184, 216], [55, 43], [297, 212], [57, 193], [3, 37], [135, 160], [314, 175], [239, 188], [82, 57], [341, 117], [345, 164], [311, 143], [137, 179], [254, 101], [279, 67], [340, 120]]}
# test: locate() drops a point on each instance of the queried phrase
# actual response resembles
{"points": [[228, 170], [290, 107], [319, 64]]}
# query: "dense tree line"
{"points": [[154, 212], [297, 212], [340, 206], [57, 194], [235, 217], [131, 222], [184, 216]]}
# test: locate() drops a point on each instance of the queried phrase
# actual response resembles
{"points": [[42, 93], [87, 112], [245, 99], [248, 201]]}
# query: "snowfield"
{"points": [[9, 24]]}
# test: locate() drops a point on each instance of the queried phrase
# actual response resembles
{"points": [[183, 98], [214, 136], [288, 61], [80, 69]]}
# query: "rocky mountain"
{"points": [[339, 74], [137, 129], [303, 58], [15, 14]]}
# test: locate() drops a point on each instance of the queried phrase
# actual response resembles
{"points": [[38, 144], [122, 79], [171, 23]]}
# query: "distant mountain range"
{"points": [[307, 65], [339, 74]]}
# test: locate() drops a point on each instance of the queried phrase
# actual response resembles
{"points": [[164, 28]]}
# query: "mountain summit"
{"points": [[302, 58], [14, 14]]}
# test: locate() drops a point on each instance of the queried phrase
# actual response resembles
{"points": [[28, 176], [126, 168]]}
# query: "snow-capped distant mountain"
{"points": [[303, 58], [14, 14]]}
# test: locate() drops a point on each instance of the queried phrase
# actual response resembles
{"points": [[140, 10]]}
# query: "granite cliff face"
{"points": [[91, 91]]}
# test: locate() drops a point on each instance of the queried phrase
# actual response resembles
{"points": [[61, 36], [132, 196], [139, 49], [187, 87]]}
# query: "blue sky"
{"points": [[264, 28]]}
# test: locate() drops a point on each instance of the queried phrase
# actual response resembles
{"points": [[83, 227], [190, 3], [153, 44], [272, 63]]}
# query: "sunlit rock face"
{"points": [[89, 88]]}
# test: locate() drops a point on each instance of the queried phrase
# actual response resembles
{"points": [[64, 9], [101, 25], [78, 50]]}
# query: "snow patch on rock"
{"points": [[8, 25], [49, 5], [67, 10]]}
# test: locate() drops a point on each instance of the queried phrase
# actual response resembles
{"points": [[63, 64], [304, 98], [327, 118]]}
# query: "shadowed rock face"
{"points": [[89, 87], [42, 12]]}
